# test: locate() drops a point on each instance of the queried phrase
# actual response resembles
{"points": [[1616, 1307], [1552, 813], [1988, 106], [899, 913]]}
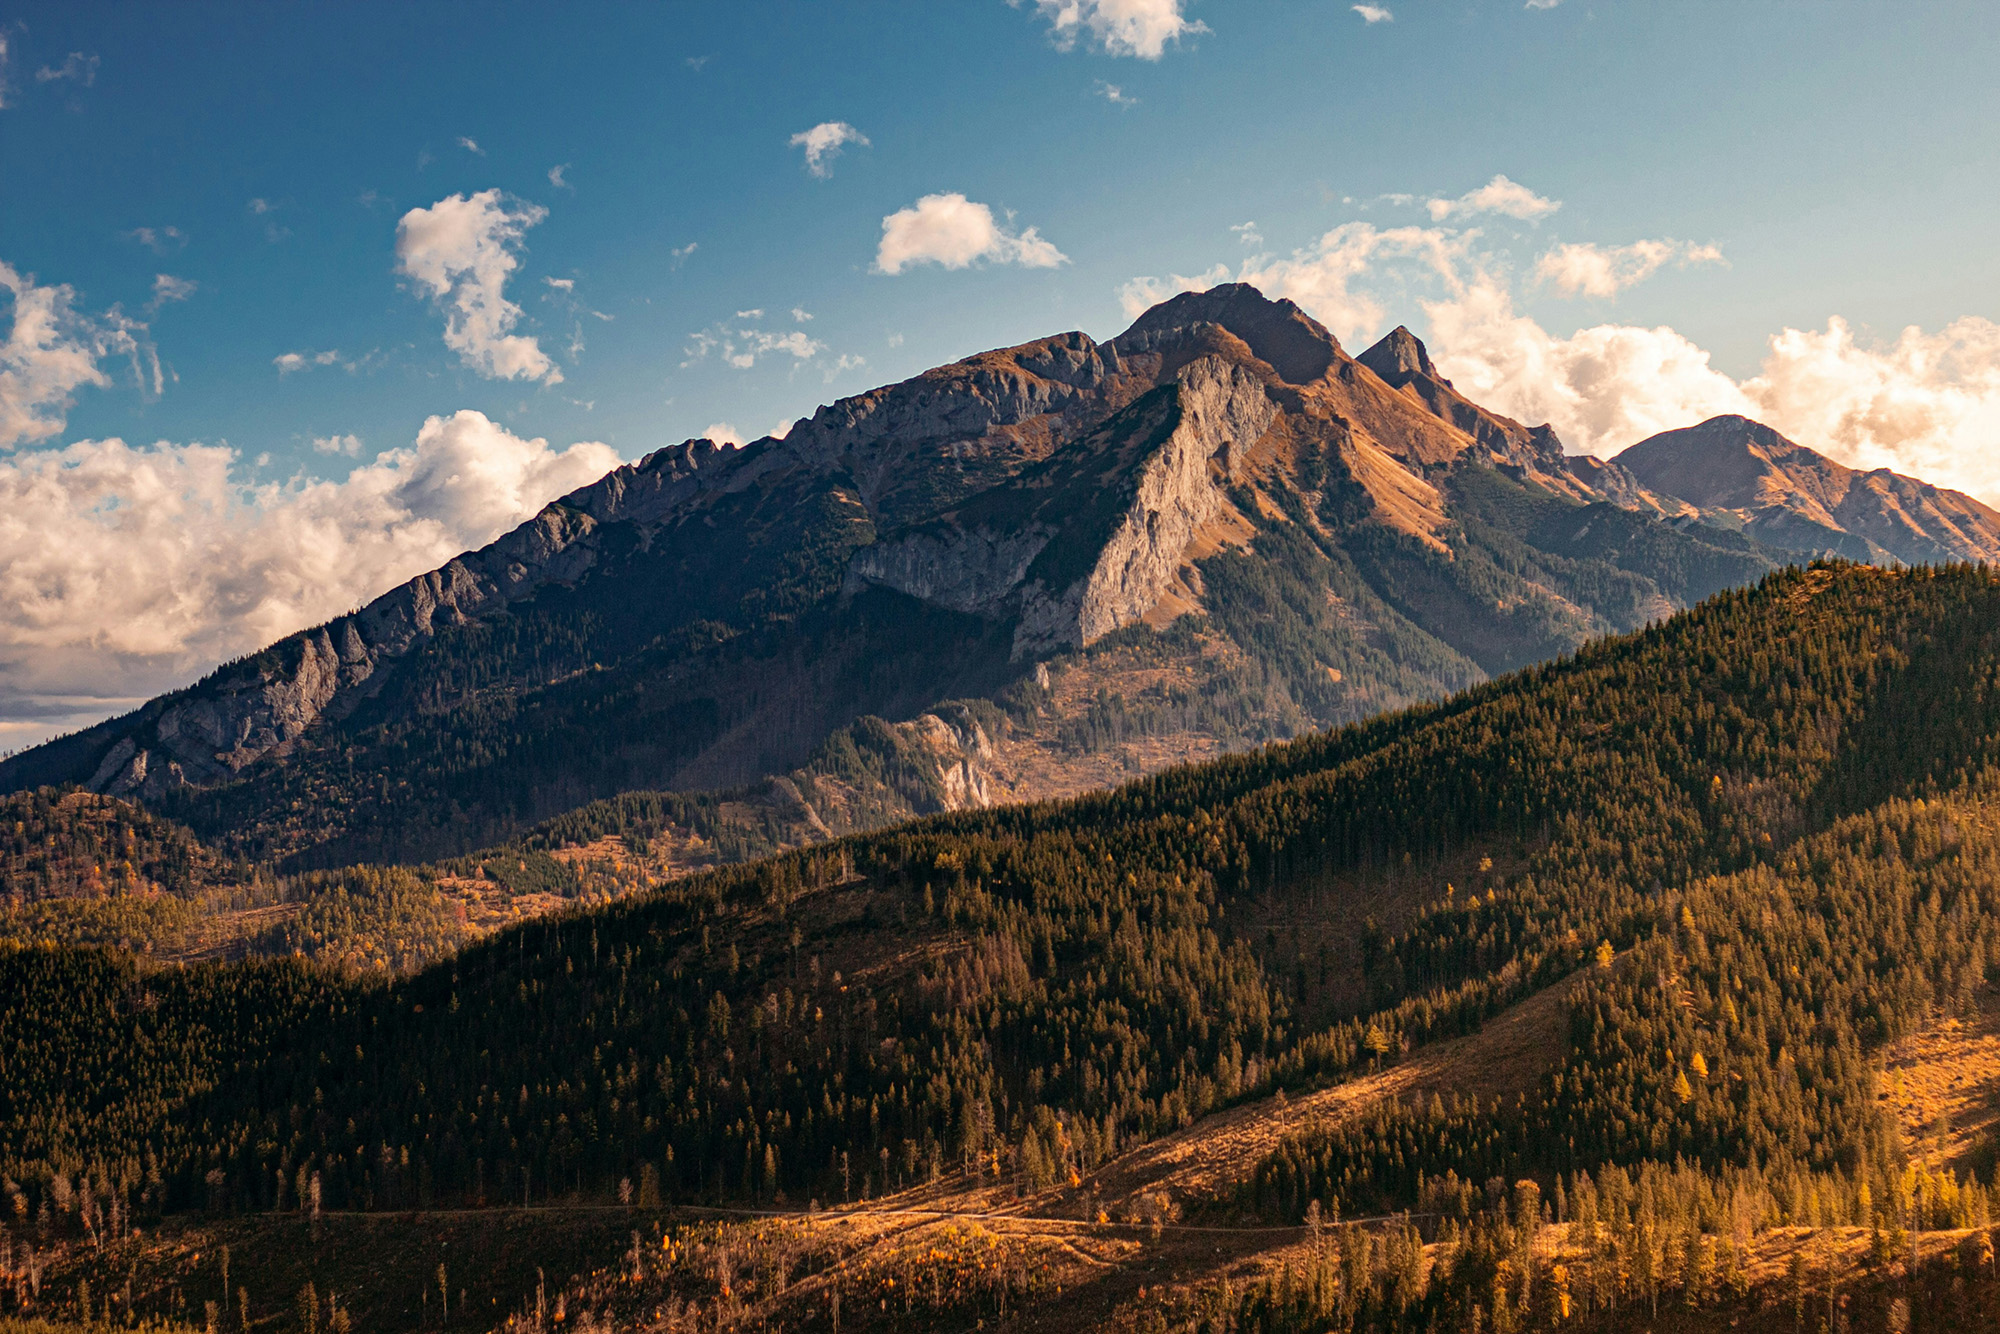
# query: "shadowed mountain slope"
{"points": [[1020, 575]]}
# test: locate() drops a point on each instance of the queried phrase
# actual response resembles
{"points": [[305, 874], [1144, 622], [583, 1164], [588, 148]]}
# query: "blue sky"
{"points": [[219, 186]]}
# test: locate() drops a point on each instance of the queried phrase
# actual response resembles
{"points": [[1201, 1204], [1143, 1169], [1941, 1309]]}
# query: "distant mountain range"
{"points": [[1025, 574]]}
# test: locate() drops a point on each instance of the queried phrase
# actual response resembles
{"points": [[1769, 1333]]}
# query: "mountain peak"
{"points": [[1294, 344], [1793, 496], [1398, 356]]}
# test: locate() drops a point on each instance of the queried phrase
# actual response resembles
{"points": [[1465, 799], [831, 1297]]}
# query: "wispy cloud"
{"points": [[741, 344], [471, 145], [1585, 269], [78, 68], [557, 179], [1498, 195], [1115, 95], [290, 362], [823, 143], [159, 240], [168, 289], [347, 445], [1374, 14]]}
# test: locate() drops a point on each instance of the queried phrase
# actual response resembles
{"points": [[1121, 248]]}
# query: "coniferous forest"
{"points": [[1744, 858]]}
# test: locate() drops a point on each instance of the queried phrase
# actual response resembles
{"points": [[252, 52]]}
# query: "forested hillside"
{"points": [[1765, 824]]}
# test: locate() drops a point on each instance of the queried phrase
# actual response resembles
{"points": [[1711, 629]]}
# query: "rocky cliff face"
{"points": [[1218, 412], [1222, 411]]}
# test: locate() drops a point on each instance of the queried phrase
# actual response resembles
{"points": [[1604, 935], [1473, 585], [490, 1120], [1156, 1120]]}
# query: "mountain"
{"points": [[1022, 575], [1787, 495], [1633, 935]]}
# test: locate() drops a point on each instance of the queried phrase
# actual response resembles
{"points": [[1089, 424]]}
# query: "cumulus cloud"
{"points": [[953, 231], [1584, 269], [1374, 14], [823, 143], [1139, 28], [127, 570], [1927, 404], [1498, 195], [349, 445], [461, 250], [722, 433], [1924, 404], [53, 349]]}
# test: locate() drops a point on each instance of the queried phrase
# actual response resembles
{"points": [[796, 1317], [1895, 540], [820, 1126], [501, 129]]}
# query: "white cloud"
{"points": [[1142, 294], [1374, 14], [5, 87], [1584, 269], [1139, 28], [1498, 195], [1602, 388], [740, 344], [461, 249], [287, 362], [79, 68], [561, 284], [349, 445], [823, 143], [52, 350], [1542, 4], [1924, 404], [680, 253], [261, 206], [470, 146], [1247, 233], [167, 288], [953, 231], [722, 433], [1322, 277], [800, 315], [125, 571], [1927, 404], [159, 240], [1115, 95]]}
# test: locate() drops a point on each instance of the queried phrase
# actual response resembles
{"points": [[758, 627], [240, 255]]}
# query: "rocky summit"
{"points": [[1021, 575]]}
